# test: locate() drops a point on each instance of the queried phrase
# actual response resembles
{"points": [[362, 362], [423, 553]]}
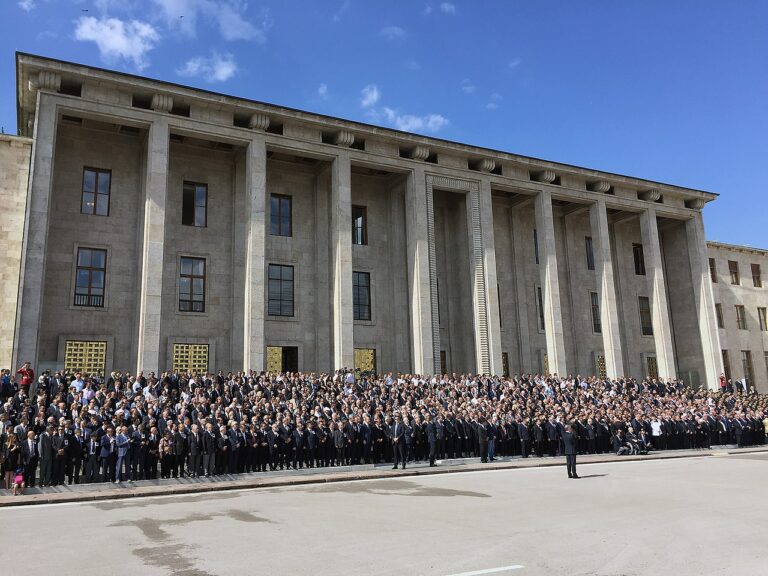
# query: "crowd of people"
{"points": [[72, 428]]}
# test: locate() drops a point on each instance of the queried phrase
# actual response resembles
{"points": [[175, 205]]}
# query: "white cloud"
{"points": [[322, 91], [216, 68], [427, 10], [229, 16], [412, 123], [26, 5], [447, 8], [392, 32], [496, 96], [340, 12], [491, 106], [515, 63], [467, 86], [370, 96], [118, 40]]}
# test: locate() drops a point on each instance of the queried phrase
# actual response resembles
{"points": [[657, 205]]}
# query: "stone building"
{"points": [[165, 226]]}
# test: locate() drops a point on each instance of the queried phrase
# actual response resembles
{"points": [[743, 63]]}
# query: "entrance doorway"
{"points": [[282, 358]]}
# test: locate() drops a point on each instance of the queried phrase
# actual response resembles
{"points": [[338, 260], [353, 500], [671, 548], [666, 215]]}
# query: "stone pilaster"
{"points": [[662, 327], [255, 269], [32, 278], [422, 275], [704, 301], [491, 296], [550, 284], [341, 262], [153, 248], [609, 315]]}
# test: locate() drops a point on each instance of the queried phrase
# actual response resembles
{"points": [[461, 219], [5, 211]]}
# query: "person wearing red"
{"points": [[27, 376]]}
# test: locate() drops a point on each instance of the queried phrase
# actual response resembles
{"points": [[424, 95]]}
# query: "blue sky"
{"points": [[670, 91]]}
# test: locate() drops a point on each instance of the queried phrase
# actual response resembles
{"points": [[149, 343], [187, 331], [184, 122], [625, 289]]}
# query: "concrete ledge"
{"points": [[149, 488]]}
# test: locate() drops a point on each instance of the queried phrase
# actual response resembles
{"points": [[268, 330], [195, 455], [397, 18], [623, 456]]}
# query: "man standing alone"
{"points": [[569, 444]]}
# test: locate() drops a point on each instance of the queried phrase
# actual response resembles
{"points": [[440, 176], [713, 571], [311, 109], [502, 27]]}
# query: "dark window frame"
{"points": [[719, 315], [194, 186], [360, 233], [536, 246], [359, 290], [191, 304], [741, 317], [646, 316], [278, 219], [757, 277], [88, 299], [762, 318], [96, 194], [639, 258], [277, 305], [713, 270], [733, 270], [594, 300], [589, 247], [540, 305]]}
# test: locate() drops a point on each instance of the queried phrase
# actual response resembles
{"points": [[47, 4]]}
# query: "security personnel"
{"points": [[569, 446]]}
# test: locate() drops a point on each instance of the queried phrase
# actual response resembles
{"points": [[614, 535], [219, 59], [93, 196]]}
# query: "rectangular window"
{"points": [[741, 317], [96, 189], [280, 290], [713, 270], [359, 225], [85, 356], [746, 365], [595, 301], [756, 276], [726, 365], [90, 277], [733, 268], [590, 253], [505, 364], [194, 205], [192, 285], [637, 253], [498, 292], [540, 305], [280, 215], [536, 246], [763, 319], [361, 295], [646, 321], [719, 314]]}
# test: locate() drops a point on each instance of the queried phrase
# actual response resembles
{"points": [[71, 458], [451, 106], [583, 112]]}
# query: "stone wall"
{"points": [[15, 156]]}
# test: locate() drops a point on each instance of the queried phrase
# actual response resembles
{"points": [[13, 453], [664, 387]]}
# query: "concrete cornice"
{"points": [[737, 248], [29, 65]]}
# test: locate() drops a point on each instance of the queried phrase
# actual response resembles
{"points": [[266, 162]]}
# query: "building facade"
{"points": [[161, 226]]}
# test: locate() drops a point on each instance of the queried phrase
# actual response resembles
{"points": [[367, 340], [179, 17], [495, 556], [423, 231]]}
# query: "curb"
{"points": [[263, 482]]}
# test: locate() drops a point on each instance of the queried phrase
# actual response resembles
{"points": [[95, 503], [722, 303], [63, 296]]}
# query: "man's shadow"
{"points": [[593, 476]]}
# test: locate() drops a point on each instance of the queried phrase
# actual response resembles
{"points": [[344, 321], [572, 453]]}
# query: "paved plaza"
{"points": [[691, 516]]}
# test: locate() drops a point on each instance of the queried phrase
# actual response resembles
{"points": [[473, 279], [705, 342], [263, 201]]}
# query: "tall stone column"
{"points": [[662, 326], [550, 284], [492, 321], [418, 239], [341, 262], [609, 315], [32, 274], [153, 247], [256, 202], [704, 300]]}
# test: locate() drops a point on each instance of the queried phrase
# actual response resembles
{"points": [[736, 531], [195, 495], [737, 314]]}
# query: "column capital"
{"points": [[46, 80], [258, 121], [651, 195], [696, 203], [162, 102], [420, 153], [344, 138], [600, 186], [486, 165], [546, 176]]}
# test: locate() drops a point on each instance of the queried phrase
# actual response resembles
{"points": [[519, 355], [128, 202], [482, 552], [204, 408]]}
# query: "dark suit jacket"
{"points": [[569, 442], [397, 432]]}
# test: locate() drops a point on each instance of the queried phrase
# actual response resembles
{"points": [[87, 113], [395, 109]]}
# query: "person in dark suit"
{"points": [[91, 457], [30, 456], [209, 450], [107, 455], [45, 450], [397, 436], [153, 452], [299, 445], [194, 445], [430, 431], [569, 446], [481, 430], [525, 436]]}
